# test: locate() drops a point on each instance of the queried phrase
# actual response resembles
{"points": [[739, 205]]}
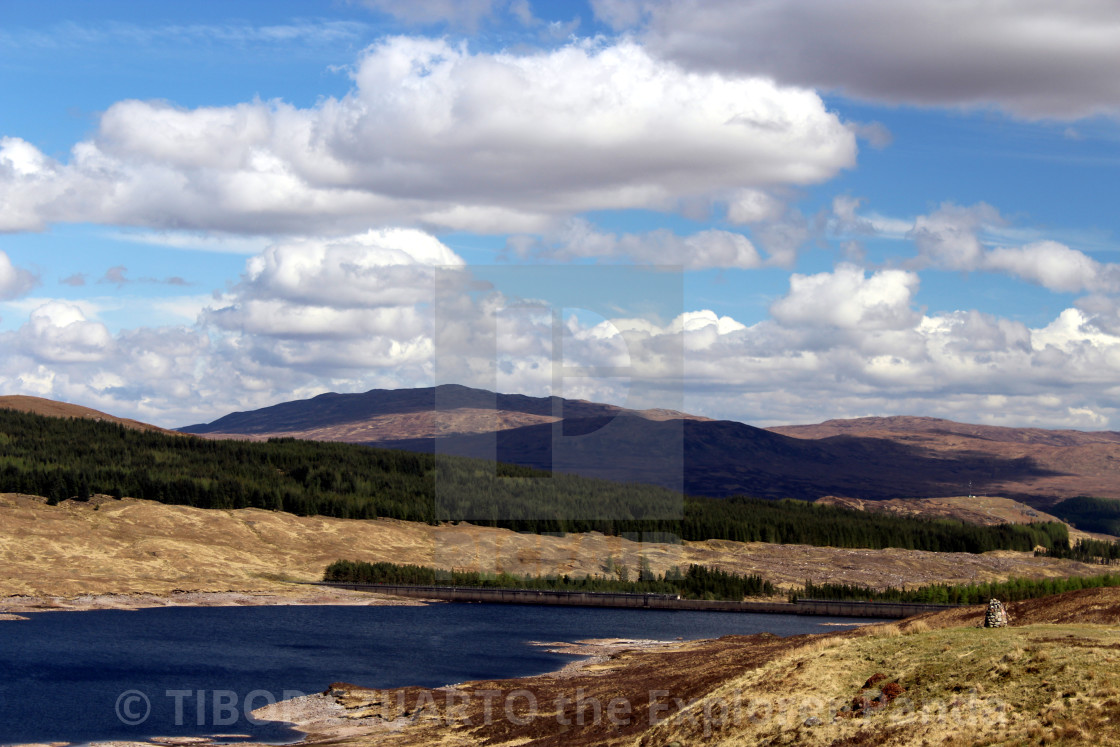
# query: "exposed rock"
{"points": [[890, 691], [874, 680], [866, 702]]}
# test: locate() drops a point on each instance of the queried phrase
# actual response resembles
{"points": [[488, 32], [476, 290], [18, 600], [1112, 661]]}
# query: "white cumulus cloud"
{"points": [[953, 237], [434, 134], [847, 298], [1054, 266], [949, 236], [368, 287], [58, 332]]}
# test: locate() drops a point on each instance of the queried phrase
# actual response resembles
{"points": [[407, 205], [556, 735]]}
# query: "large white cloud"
{"points": [[434, 134], [353, 313], [842, 343], [386, 267], [313, 302], [1033, 58], [59, 332]]}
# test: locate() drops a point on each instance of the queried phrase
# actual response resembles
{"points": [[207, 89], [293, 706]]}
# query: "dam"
{"points": [[880, 610]]}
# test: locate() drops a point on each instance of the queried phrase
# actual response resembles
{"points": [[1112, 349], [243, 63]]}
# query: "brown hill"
{"points": [[397, 414], [870, 458], [51, 408], [1068, 463], [901, 425]]}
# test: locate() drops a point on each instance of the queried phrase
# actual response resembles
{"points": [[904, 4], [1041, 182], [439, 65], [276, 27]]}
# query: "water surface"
{"points": [[117, 674]]}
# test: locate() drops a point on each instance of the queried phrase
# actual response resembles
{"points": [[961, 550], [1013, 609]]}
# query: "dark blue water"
{"points": [[181, 671]]}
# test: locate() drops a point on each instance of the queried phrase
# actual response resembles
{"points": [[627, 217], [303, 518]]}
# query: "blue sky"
{"points": [[875, 208]]}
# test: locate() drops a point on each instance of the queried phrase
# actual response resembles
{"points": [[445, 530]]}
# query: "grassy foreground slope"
{"points": [[1052, 678]]}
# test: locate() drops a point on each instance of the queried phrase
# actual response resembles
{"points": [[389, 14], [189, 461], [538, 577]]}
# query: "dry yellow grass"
{"points": [[1041, 684], [135, 546]]}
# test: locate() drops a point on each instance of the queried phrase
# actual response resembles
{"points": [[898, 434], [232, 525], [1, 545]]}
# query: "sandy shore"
{"points": [[16, 607]]}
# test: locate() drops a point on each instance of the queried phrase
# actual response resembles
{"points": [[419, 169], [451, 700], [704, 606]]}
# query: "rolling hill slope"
{"points": [[52, 408], [675, 450], [1067, 463]]}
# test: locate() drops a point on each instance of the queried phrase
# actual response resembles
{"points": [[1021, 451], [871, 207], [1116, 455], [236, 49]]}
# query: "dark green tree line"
{"points": [[1090, 514], [1087, 551], [697, 583], [1012, 590]]}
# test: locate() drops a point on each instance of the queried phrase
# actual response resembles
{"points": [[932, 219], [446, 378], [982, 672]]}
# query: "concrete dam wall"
{"points": [[645, 601]]}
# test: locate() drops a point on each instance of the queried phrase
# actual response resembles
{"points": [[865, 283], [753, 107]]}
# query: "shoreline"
{"points": [[16, 607], [331, 715]]}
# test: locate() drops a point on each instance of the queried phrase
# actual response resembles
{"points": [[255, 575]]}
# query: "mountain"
{"points": [[1067, 463], [909, 427], [382, 415], [874, 458], [49, 407]]}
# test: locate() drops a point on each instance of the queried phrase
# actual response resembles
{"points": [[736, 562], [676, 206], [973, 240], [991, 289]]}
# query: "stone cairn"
{"points": [[996, 616]]}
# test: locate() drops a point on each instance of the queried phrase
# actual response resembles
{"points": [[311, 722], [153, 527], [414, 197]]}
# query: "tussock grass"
{"points": [[1040, 684]]}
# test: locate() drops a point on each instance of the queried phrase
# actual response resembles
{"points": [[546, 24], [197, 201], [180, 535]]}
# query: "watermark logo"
{"points": [[602, 333], [201, 707], [526, 708], [133, 707]]}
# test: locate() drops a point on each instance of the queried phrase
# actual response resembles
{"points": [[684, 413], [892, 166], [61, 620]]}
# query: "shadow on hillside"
{"points": [[722, 458]]}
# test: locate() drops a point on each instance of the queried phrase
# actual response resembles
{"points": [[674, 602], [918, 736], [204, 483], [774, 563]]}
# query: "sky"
{"points": [[771, 212]]}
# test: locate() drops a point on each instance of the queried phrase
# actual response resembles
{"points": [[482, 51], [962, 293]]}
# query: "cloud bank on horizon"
{"points": [[876, 207]]}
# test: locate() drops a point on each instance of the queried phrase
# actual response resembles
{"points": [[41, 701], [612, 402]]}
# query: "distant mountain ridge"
{"points": [[912, 424], [1071, 463], [394, 414], [865, 458], [869, 458]]}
